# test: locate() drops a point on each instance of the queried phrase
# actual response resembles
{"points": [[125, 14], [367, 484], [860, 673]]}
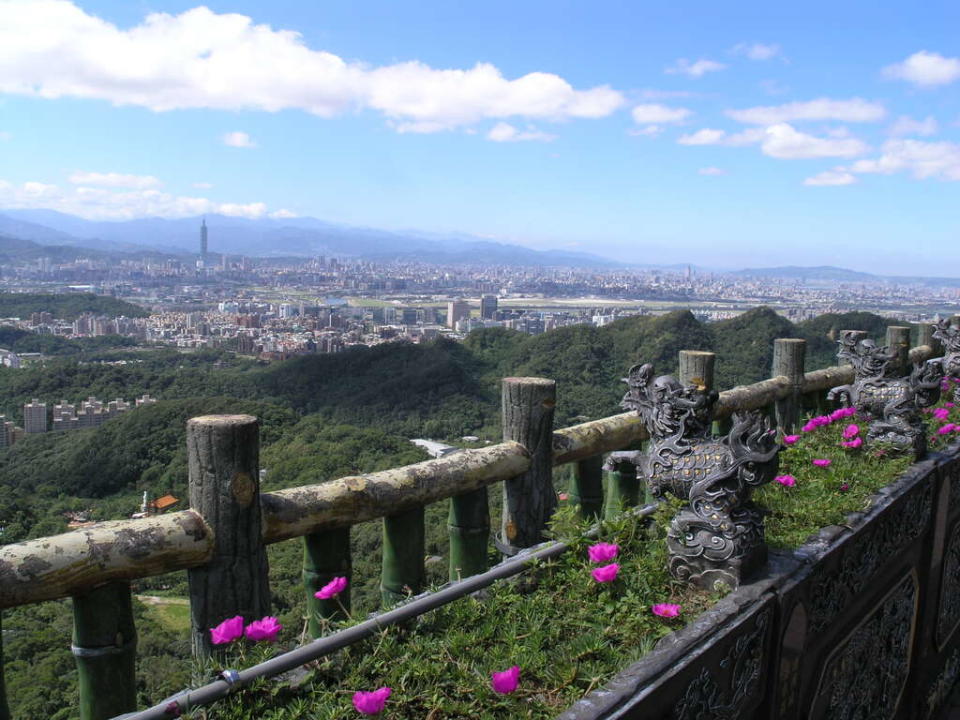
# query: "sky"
{"points": [[726, 135]]}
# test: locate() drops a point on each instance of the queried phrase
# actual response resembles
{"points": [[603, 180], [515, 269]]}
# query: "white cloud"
{"points": [[756, 51], [114, 180], [202, 59], [504, 132], [238, 139], [711, 136], [785, 142], [107, 203], [926, 69], [659, 114], [693, 69], [923, 160], [713, 171], [831, 177], [282, 214], [646, 131], [852, 110], [906, 125]]}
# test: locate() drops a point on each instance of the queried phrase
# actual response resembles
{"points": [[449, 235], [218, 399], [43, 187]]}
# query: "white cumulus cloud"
{"points": [[923, 160], [713, 171], [114, 180], [653, 114], [238, 139], [838, 176], [852, 110], [712, 136], [504, 132], [906, 125], [787, 143], [695, 69], [926, 69], [756, 51], [203, 59]]}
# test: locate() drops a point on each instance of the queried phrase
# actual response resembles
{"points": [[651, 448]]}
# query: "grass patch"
{"points": [[170, 613]]}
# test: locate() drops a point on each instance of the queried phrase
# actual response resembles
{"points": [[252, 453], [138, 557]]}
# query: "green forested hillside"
{"points": [[66, 307]]}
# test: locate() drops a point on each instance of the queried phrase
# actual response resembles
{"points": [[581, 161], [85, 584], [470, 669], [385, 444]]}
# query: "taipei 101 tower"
{"points": [[203, 244]]}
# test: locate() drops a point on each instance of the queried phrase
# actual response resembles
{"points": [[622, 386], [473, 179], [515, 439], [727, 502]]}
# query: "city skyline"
{"points": [[724, 138]]}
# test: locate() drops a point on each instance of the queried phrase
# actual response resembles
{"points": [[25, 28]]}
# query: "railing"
{"points": [[221, 540]]}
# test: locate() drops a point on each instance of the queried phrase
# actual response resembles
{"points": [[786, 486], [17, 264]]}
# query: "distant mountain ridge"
{"points": [[270, 237]]}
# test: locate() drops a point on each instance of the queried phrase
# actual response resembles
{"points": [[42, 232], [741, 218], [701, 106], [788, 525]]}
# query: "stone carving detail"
{"points": [[949, 335], [891, 404], [876, 544], [949, 614], [706, 698], [866, 675], [942, 686], [718, 536]]}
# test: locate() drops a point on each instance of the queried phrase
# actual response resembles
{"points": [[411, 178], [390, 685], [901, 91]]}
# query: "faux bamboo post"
{"points": [[898, 339], [529, 499], [789, 356], [955, 320], [105, 647], [621, 490], [586, 487], [696, 367], [223, 456], [402, 573], [925, 337], [326, 555], [469, 528], [4, 708]]}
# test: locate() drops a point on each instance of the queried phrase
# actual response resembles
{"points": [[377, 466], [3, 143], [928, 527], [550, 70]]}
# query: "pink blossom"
{"points": [[370, 703], [505, 682], [844, 487], [948, 405], [331, 589], [605, 573], [843, 413], [790, 439], [851, 431], [602, 552], [822, 420], [945, 384], [809, 427], [563, 497], [786, 480], [665, 610], [266, 629], [946, 429], [822, 462], [852, 444], [227, 631], [941, 413]]}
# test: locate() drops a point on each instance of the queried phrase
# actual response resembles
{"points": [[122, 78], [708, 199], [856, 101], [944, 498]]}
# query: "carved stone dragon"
{"points": [[718, 535], [949, 335], [890, 404]]}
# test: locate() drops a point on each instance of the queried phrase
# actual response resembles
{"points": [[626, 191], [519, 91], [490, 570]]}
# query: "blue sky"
{"points": [[722, 134]]}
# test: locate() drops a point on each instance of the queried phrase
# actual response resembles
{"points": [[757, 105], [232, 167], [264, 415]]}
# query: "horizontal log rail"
{"points": [[59, 566]]}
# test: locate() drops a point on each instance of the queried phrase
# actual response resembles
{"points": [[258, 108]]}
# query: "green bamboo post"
{"points": [[4, 708], [789, 356], [621, 490], [469, 527], [898, 340], [586, 487], [105, 646], [326, 555], [402, 573]]}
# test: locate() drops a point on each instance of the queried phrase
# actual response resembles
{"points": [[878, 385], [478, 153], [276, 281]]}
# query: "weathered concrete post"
{"points": [[789, 360], [326, 555], [402, 573], [4, 708], [898, 339], [105, 649], [586, 487], [469, 528], [529, 499], [925, 337], [223, 455]]}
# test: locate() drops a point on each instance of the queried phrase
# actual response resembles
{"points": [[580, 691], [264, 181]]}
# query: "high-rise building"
{"points": [[35, 417], [203, 243], [488, 307], [457, 310]]}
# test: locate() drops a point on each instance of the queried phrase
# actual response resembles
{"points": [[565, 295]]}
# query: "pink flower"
{"points": [[602, 552], [948, 405], [809, 427], [505, 682], [665, 610], [266, 629], [844, 487], [843, 413], [563, 497], [790, 439], [227, 631], [946, 429], [945, 384], [822, 420], [370, 703], [852, 444], [941, 413], [822, 462], [331, 590], [851, 431], [605, 573], [786, 480]]}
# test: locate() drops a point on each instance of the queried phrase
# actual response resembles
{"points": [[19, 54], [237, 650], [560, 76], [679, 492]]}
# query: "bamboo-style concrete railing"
{"points": [[221, 539]]}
